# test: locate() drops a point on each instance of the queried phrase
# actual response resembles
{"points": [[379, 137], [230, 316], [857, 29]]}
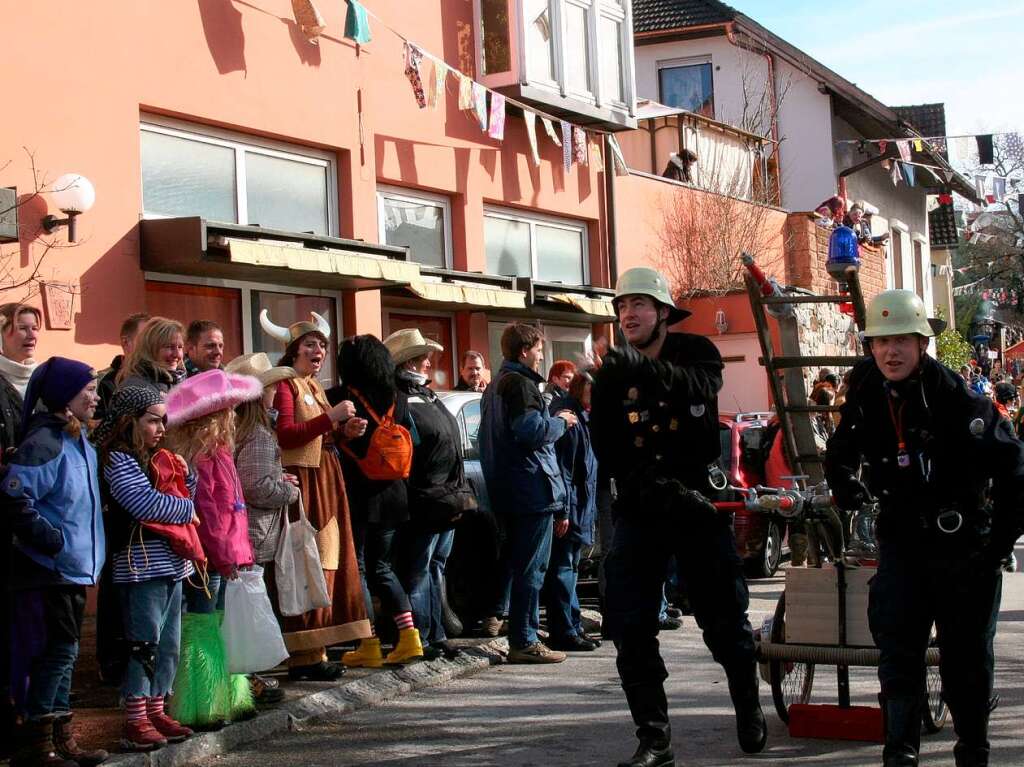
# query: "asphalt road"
{"points": [[574, 714]]}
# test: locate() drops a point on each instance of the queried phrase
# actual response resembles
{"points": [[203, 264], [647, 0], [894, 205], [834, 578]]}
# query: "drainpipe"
{"points": [[609, 196], [730, 35]]}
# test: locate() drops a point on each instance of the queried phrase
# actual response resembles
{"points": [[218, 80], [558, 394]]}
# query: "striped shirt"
{"points": [[133, 491]]}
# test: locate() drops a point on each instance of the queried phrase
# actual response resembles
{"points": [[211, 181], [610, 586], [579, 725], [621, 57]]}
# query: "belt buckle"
{"points": [[716, 477], [949, 514]]}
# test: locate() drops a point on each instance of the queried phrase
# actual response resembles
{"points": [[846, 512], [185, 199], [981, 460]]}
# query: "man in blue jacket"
{"points": [[517, 450]]}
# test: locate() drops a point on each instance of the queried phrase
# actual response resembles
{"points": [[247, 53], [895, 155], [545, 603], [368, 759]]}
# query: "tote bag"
{"points": [[298, 573], [252, 636]]}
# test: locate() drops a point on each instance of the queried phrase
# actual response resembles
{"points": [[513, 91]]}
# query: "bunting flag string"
{"points": [[530, 118], [497, 129], [566, 144], [549, 128]]}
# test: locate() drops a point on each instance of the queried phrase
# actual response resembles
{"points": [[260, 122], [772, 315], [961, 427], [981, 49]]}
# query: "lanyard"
{"points": [[902, 457]]}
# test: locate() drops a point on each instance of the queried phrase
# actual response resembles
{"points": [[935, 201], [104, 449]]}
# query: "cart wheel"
{"points": [[791, 682], [934, 712]]}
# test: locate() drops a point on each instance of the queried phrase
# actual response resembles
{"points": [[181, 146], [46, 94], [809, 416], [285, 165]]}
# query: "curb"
{"points": [[332, 703]]}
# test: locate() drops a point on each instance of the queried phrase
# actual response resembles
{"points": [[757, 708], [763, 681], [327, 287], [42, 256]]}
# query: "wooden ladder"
{"points": [[785, 376]]}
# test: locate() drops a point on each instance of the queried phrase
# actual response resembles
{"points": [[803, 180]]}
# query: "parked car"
{"points": [[760, 539]]}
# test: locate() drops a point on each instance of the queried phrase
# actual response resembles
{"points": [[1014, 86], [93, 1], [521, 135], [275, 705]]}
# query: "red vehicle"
{"points": [[760, 538]]}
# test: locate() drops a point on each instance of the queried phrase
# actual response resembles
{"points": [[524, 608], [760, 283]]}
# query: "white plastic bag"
{"points": [[251, 635], [298, 573]]}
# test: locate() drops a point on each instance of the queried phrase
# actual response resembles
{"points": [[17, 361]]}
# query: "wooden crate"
{"points": [[812, 606]]}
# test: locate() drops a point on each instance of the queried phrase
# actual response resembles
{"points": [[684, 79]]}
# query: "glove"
{"points": [[851, 495], [43, 537], [623, 357], [696, 504]]}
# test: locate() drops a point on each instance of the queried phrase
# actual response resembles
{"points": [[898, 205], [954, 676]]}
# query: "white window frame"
{"points": [[531, 218], [401, 194], [246, 289], [687, 61], [242, 144]]}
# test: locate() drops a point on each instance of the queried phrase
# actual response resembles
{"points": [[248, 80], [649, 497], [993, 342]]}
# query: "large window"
{"points": [[687, 86], [417, 220], [193, 171], [547, 249], [236, 305], [437, 328]]}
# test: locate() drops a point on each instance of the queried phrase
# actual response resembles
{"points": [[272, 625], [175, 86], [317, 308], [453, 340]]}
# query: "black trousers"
{"points": [[916, 587], [711, 570]]}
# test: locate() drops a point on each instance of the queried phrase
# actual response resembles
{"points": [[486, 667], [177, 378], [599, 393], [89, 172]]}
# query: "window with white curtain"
{"points": [[419, 221], [544, 248], [191, 170]]}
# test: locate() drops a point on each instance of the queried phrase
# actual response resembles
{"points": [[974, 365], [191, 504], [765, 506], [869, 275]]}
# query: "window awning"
{"points": [[196, 247], [471, 295], [596, 307]]}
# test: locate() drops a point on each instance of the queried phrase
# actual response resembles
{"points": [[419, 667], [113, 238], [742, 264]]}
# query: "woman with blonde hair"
{"points": [[306, 427], [157, 359]]}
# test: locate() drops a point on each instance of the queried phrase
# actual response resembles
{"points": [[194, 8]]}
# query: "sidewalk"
{"points": [[98, 716]]}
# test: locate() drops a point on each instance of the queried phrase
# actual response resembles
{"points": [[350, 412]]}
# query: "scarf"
{"points": [[16, 373]]}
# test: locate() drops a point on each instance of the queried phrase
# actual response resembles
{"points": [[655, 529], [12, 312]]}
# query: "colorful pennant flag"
{"points": [[549, 128], [309, 20], [480, 104], [437, 83], [908, 173], [618, 161], [986, 155], [596, 160], [918, 145], [566, 144], [357, 25], [465, 93], [882, 146], [979, 186], [579, 145], [413, 57], [497, 123], [530, 118], [999, 188], [904, 150]]}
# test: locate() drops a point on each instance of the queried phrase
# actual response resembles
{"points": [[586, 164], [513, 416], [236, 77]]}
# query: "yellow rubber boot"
{"points": [[367, 656], [408, 649]]}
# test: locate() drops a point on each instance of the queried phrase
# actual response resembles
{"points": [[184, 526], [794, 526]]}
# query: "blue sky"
{"points": [[966, 54]]}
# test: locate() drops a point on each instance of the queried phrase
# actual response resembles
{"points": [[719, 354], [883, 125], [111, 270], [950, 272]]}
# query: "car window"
{"points": [[471, 418]]}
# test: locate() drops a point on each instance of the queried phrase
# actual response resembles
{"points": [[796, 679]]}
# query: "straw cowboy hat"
{"points": [[209, 392], [409, 344], [258, 366], [296, 330]]}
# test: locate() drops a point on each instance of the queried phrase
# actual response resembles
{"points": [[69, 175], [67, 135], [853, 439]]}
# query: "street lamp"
{"points": [[73, 193]]}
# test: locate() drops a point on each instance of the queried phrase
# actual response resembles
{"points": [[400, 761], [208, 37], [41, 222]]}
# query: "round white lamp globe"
{"points": [[73, 193]]}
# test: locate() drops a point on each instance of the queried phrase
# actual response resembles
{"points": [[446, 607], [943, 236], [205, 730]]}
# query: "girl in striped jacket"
{"points": [[148, 573]]}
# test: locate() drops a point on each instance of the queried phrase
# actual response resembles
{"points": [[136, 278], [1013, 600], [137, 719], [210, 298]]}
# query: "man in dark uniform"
{"points": [[949, 475], [654, 420]]}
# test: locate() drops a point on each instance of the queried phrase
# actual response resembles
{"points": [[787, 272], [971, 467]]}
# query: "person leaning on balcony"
{"points": [[654, 421], [156, 359], [19, 332], [130, 330], [306, 423]]}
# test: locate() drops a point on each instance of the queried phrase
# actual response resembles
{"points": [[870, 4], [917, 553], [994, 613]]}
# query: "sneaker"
{"points": [[673, 612], [535, 653], [265, 691], [572, 643], [141, 735], [669, 623], [493, 626]]}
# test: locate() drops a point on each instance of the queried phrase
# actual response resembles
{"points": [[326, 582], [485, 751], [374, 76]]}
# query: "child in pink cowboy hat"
{"points": [[201, 428]]}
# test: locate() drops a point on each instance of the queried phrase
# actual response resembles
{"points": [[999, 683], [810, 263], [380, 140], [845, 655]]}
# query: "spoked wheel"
{"points": [[934, 712], [791, 682]]}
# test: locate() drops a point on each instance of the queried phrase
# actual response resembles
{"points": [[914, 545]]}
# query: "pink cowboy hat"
{"points": [[209, 392]]}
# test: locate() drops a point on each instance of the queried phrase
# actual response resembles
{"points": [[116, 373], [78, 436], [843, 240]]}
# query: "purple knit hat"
{"points": [[209, 392]]}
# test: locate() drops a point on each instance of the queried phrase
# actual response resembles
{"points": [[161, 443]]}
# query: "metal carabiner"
{"points": [[716, 477], [950, 513]]}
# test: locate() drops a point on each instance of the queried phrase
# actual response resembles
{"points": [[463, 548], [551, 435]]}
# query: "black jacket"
{"points": [[438, 489], [960, 455], [107, 386], [11, 404], [658, 419]]}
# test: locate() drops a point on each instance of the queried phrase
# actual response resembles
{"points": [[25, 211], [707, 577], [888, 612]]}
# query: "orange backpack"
{"points": [[389, 454]]}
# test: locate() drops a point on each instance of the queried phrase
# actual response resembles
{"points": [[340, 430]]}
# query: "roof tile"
{"points": [[663, 15]]}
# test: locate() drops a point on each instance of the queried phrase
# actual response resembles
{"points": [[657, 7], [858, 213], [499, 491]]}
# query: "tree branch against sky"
{"points": [[913, 52]]}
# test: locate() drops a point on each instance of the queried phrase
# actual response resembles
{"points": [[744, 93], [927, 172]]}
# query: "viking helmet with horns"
{"points": [[296, 330]]}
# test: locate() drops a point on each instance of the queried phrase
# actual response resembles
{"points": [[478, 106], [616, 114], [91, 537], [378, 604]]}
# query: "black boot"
{"points": [[751, 727], [35, 745], [67, 747], [652, 753], [901, 720], [649, 707], [970, 756]]}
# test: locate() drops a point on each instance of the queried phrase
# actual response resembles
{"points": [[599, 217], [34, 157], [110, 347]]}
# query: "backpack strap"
{"points": [[369, 408]]}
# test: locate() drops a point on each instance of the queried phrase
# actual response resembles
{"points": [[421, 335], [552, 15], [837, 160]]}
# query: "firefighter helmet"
{"points": [[644, 281], [897, 313]]}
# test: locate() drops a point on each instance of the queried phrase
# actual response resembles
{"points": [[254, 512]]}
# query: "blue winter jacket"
{"points": [[517, 445], [51, 494], [579, 471]]}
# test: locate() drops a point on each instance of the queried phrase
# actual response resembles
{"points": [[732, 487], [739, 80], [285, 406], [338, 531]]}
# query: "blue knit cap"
{"points": [[56, 382]]}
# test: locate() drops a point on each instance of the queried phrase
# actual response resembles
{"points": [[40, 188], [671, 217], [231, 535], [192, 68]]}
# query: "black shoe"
{"points": [[674, 612], [751, 727], [970, 756], [572, 643], [324, 671], [668, 623], [449, 650], [432, 652], [899, 759], [652, 754]]}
